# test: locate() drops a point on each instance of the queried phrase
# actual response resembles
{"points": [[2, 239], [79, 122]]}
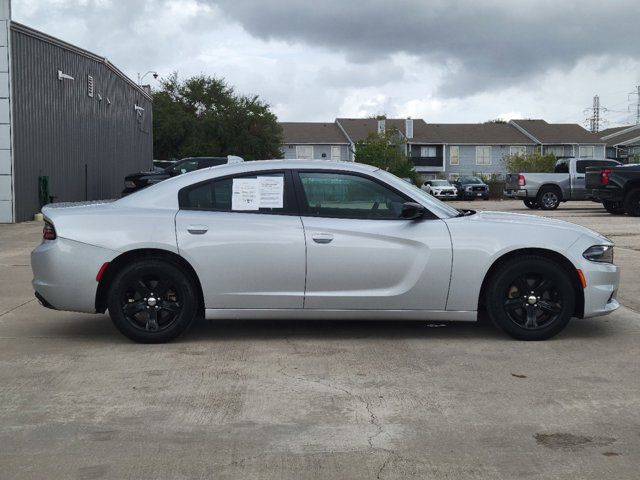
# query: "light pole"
{"points": [[140, 78]]}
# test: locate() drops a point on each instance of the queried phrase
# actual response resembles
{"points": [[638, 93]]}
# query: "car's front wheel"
{"points": [[530, 298], [532, 204], [152, 300]]}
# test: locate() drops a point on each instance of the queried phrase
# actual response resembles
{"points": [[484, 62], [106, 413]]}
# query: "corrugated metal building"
{"points": [[66, 114]]}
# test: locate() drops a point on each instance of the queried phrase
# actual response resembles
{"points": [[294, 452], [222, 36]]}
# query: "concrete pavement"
{"points": [[306, 400]]}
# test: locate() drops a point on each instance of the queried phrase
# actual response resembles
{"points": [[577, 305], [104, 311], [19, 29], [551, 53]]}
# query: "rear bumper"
{"points": [[610, 195], [516, 193], [64, 274]]}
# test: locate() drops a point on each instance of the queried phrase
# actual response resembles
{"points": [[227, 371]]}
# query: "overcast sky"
{"points": [[441, 60]]}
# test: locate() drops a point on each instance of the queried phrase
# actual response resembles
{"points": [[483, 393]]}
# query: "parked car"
{"points": [[138, 181], [548, 190], [162, 164], [470, 188], [315, 240], [617, 187], [440, 189]]}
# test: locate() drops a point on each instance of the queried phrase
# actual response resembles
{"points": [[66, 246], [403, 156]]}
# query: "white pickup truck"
{"points": [[547, 190]]}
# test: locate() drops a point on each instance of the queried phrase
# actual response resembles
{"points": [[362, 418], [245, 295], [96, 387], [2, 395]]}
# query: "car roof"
{"points": [[164, 193]]}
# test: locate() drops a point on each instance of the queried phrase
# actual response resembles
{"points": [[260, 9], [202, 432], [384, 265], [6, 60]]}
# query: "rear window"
{"points": [[582, 165], [218, 195]]}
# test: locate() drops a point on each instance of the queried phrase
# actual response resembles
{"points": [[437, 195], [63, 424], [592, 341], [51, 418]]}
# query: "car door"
{"points": [[244, 238], [360, 254]]}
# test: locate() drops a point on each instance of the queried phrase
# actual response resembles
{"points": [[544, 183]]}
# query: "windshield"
{"points": [[183, 166], [470, 180], [440, 183], [439, 208]]}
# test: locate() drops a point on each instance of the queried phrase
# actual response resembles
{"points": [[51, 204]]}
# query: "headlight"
{"points": [[599, 253], [468, 189]]}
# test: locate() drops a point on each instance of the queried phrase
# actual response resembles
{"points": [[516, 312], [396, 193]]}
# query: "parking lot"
{"points": [[344, 400]]}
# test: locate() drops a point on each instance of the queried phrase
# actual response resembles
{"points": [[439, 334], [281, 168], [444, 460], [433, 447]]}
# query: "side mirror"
{"points": [[411, 211]]}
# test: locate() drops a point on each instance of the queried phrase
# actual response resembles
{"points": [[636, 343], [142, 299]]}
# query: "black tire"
{"points": [[614, 208], [508, 298], [532, 204], [632, 202], [548, 198], [152, 300]]}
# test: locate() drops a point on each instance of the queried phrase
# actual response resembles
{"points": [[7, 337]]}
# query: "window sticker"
{"points": [[271, 192], [245, 194]]}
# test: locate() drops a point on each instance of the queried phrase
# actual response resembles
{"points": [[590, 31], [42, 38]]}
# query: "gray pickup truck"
{"points": [[547, 190]]}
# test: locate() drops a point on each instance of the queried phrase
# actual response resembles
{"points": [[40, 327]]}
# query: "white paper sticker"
{"points": [[245, 194], [271, 192]]}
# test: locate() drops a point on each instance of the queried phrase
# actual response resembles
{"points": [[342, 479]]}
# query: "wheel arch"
{"points": [[563, 261], [125, 258], [631, 185], [551, 186]]}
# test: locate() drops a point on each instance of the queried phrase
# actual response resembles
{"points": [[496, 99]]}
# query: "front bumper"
{"points": [[64, 273], [445, 194], [602, 287], [466, 195]]}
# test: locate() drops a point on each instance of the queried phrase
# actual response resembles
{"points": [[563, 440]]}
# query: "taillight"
{"points": [[48, 231], [521, 181], [604, 176]]}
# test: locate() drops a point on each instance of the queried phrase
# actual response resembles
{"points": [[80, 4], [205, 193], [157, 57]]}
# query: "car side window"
{"points": [[562, 167], [255, 193], [339, 195], [581, 165]]}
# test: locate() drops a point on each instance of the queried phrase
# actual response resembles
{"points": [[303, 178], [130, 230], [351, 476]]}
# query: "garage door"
{"points": [[304, 152]]}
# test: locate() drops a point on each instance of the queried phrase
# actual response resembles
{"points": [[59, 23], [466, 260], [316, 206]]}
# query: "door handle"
{"points": [[322, 238], [197, 229]]}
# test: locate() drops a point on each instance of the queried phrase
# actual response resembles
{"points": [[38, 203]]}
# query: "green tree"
{"points": [[384, 150], [203, 116], [532, 163]]}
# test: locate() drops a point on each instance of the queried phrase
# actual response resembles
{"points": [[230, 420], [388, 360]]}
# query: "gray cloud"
{"points": [[481, 45]]}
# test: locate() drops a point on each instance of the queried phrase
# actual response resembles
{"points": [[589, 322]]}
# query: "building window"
{"points": [[428, 152], [557, 151], [520, 150], [483, 155], [586, 152], [454, 155], [90, 86], [454, 176], [304, 152]]}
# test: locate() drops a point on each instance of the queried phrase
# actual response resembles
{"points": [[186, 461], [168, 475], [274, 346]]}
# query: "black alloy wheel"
{"points": [[152, 301], [531, 298]]}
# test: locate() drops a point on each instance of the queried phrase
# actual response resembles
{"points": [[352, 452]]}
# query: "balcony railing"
{"points": [[427, 161]]}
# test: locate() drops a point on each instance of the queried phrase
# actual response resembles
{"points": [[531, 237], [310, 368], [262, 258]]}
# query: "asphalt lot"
{"points": [[344, 400]]}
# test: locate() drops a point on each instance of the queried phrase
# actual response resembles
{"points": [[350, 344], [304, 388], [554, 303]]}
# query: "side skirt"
{"points": [[316, 314]]}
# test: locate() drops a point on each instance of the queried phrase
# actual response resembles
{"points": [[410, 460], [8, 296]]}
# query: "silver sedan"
{"points": [[315, 240]]}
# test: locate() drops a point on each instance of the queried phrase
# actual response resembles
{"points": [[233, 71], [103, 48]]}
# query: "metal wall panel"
{"points": [[84, 145]]}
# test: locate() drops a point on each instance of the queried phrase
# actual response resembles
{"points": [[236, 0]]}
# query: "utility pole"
{"points": [[638, 105]]}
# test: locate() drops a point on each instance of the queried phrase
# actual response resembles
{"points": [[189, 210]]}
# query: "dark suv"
{"points": [[138, 181], [470, 188]]}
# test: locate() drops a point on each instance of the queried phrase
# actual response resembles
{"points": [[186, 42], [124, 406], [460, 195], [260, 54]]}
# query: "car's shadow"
{"points": [[99, 329]]}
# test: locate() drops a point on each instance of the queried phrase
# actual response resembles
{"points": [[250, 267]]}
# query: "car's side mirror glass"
{"points": [[411, 211]]}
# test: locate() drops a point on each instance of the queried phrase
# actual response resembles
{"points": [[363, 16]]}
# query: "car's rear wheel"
{"points": [[530, 298], [615, 208], [632, 203], [152, 300], [548, 198], [532, 204]]}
